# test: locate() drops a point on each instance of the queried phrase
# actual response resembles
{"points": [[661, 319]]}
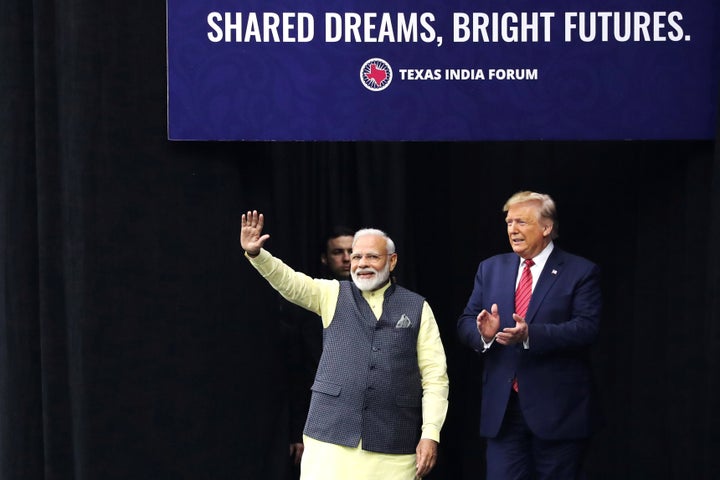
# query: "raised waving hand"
{"points": [[251, 237]]}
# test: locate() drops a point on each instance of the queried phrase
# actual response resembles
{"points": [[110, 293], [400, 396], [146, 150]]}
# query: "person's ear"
{"points": [[393, 261]]}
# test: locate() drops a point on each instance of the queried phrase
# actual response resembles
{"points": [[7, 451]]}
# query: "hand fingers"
{"points": [[424, 467], [425, 458], [253, 219]]}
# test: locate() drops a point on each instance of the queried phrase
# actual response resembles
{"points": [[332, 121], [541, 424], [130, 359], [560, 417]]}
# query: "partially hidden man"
{"points": [[379, 398]]}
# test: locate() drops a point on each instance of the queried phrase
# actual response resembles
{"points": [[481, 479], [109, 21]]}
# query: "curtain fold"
{"points": [[137, 342]]}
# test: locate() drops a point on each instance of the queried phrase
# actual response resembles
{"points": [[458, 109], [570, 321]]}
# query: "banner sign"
{"points": [[455, 70]]}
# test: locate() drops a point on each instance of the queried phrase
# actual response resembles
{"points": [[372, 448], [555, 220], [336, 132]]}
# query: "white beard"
{"points": [[370, 284]]}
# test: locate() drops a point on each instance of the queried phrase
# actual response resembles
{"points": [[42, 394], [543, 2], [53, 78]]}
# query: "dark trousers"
{"points": [[517, 454]]}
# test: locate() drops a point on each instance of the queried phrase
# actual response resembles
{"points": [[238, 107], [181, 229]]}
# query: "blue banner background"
{"points": [[599, 90]]}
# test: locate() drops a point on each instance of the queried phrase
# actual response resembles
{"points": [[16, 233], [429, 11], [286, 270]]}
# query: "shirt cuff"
{"points": [[262, 257], [486, 345], [431, 432]]}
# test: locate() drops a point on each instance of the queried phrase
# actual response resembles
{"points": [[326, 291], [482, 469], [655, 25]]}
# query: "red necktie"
{"points": [[522, 297], [524, 290]]}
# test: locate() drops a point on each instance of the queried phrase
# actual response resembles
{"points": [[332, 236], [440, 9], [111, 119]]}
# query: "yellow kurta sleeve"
{"points": [[315, 294], [433, 369]]}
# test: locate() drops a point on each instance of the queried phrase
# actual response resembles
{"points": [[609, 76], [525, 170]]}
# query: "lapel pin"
{"points": [[554, 272]]}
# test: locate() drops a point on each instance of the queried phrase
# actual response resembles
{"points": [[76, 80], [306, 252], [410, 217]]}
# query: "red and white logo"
{"points": [[376, 74]]}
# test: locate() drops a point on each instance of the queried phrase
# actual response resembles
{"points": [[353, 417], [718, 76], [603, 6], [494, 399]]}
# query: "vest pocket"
{"points": [[327, 388]]}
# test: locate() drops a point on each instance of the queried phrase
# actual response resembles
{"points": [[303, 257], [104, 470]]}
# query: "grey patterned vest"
{"points": [[368, 381]]}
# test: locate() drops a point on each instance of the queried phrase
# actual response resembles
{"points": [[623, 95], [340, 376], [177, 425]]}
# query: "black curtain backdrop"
{"points": [[137, 343]]}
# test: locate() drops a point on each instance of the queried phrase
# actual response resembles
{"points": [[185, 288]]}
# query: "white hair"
{"points": [[389, 244]]}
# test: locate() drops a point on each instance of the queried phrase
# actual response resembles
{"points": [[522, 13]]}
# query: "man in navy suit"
{"points": [[539, 406]]}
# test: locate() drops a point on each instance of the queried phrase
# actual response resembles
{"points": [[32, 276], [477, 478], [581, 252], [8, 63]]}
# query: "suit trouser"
{"points": [[517, 454]]}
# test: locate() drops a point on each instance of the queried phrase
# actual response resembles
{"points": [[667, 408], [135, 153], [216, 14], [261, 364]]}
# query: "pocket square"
{"points": [[404, 322]]}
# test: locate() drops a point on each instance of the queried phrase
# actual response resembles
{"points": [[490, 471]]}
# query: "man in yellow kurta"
{"points": [[380, 393]]}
